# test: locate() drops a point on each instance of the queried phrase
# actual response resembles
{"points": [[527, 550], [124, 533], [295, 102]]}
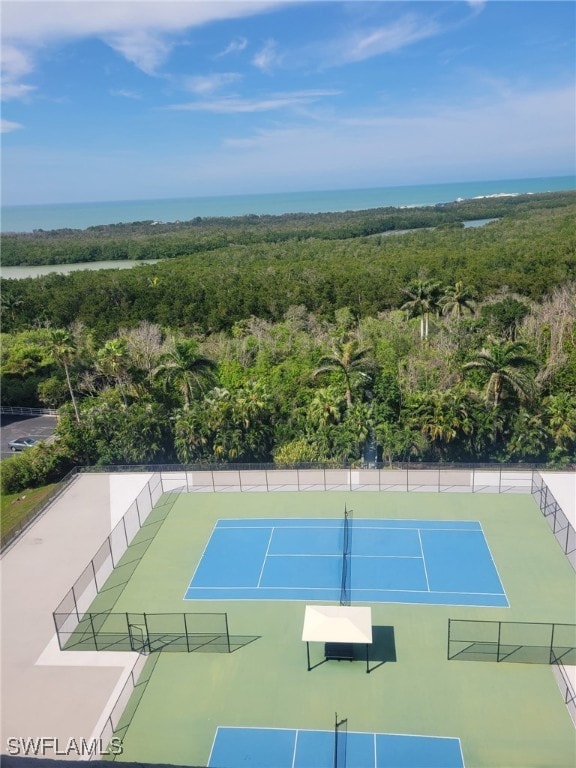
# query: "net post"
{"points": [[498, 645], [340, 734], [335, 739]]}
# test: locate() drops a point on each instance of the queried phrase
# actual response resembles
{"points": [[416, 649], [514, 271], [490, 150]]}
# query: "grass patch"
{"points": [[16, 507]]}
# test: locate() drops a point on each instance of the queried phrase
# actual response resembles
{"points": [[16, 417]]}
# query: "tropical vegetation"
{"points": [[445, 344]]}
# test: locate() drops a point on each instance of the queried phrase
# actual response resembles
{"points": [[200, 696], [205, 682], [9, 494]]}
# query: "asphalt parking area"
{"points": [[13, 427]]}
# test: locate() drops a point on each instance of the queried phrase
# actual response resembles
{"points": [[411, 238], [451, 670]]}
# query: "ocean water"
{"points": [[27, 218]]}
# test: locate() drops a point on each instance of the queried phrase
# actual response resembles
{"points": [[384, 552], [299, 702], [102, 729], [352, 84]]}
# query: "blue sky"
{"points": [[115, 100]]}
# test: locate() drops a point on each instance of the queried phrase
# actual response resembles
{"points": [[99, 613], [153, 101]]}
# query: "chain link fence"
{"points": [[560, 525], [512, 641]]}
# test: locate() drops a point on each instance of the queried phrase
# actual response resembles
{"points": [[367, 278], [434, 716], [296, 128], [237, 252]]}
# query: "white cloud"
{"points": [[142, 32], [126, 94], [231, 105], [205, 84], [502, 138], [364, 44], [145, 49], [7, 126], [237, 45], [16, 64], [267, 58]]}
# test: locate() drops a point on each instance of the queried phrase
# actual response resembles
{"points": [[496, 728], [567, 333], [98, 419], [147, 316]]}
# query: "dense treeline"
{"points": [[212, 291], [446, 345], [156, 240]]}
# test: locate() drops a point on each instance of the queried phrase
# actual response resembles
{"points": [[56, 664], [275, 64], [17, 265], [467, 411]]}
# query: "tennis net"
{"points": [[346, 561], [340, 742]]}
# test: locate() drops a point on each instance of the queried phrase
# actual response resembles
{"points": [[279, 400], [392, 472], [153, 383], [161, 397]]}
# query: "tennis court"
{"points": [[503, 714], [285, 748], [388, 561]]}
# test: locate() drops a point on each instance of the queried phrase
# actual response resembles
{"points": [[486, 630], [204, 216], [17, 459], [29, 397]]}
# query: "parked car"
{"points": [[21, 443]]}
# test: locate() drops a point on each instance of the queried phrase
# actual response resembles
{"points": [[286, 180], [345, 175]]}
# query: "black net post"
{"points": [[340, 741], [346, 561]]}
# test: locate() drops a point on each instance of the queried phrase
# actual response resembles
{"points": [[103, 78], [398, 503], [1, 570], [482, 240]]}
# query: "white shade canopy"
{"points": [[337, 624]]}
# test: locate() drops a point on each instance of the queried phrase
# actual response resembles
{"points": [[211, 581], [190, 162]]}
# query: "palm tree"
{"points": [[324, 408], [507, 365], [185, 370], [9, 303], [457, 299], [424, 296], [350, 360], [63, 350], [113, 362]]}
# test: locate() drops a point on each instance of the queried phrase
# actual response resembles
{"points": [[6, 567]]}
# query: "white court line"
{"points": [[294, 749], [423, 560], [265, 556], [359, 557], [494, 564]]}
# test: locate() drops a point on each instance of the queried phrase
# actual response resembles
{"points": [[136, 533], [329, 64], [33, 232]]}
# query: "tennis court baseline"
{"points": [[391, 561], [285, 748]]}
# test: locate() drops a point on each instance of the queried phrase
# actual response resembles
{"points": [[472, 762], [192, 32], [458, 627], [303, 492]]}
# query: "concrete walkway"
{"points": [[44, 691]]}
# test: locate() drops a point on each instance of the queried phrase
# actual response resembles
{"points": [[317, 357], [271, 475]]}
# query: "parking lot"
{"points": [[12, 427]]}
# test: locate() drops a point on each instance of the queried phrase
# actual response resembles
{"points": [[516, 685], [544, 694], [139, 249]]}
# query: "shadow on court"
{"points": [[382, 650]]}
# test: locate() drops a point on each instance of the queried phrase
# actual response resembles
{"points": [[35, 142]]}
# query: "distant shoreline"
{"points": [[28, 218]]}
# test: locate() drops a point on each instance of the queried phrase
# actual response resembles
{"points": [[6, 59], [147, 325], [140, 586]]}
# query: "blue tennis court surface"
{"points": [[284, 748], [391, 561]]}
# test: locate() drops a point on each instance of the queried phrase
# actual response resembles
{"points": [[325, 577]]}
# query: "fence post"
{"points": [[94, 573], [186, 631], [93, 632], [75, 603], [148, 642], [125, 531], [227, 632], [111, 553], [57, 631]]}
